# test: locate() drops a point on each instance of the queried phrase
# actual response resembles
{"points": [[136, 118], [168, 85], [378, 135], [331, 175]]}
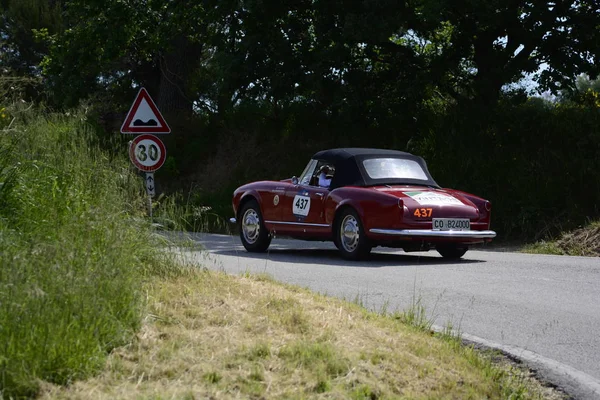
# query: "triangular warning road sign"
{"points": [[144, 117]]}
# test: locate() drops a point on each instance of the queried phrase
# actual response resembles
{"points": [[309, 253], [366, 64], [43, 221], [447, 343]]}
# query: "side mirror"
{"points": [[294, 180]]}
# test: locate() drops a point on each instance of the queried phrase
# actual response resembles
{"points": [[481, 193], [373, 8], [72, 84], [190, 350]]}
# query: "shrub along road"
{"points": [[543, 304]]}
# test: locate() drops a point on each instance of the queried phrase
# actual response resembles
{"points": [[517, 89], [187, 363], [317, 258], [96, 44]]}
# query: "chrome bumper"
{"points": [[430, 233]]}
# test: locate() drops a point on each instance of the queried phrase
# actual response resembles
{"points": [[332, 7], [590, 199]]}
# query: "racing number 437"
{"points": [[423, 212], [301, 203]]}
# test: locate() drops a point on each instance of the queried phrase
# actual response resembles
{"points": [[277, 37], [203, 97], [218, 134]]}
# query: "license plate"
{"points": [[451, 224]]}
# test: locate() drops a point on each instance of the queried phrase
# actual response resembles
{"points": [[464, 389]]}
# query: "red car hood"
{"points": [[444, 203]]}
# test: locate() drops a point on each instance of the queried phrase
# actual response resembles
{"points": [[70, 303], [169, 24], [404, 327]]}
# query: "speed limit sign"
{"points": [[147, 152]]}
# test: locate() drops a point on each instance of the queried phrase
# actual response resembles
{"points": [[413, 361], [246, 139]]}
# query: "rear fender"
{"points": [[374, 209], [483, 205]]}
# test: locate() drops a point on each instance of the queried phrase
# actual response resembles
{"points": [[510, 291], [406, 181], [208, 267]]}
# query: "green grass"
{"points": [[347, 352], [543, 247], [75, 248]]}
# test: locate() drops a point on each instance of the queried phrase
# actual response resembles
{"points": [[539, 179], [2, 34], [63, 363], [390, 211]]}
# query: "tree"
{"points": [[375, 59], [584, 83], [110, 47], [23, 26], [334, 57], [494, 42]]}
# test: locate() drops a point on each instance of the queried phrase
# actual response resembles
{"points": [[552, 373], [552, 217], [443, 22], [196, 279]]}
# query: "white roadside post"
{"points": [[147, 152]]}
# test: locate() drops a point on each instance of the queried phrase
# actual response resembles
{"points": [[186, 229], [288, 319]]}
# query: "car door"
{"points": [[306, 204], [303, 207]]}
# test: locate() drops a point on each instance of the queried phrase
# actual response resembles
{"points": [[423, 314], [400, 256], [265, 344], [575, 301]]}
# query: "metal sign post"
{"points": [[150, 190]]}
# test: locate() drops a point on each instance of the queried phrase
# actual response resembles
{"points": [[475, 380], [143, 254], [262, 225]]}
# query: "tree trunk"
{"points": [[491, 70], [487, 87], [176, 68]]}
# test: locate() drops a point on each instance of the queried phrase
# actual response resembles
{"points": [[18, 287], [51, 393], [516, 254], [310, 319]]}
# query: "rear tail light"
{"points": [[400, 204], [488, 206]]}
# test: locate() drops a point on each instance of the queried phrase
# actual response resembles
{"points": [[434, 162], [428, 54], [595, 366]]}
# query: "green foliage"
{"points": [[514, 155], [584, 84], [5, 117], [25, 26], [494, 43], [321, 357], [377, 60], [75, 248], [108, 48], [23, 22], [212, 377], [543, 247], [415, 315], [536, 162]]}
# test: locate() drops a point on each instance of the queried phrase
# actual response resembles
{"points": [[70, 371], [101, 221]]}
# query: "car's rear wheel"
{"points": [[350, 237], [452, 251], [253, 233]]}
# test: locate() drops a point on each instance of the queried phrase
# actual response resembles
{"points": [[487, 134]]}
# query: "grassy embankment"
{"points": [[75, 250], [212, 335], [84, 291]]}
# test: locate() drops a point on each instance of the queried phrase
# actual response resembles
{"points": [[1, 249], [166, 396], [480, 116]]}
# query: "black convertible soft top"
{"points": [[349, 169]]}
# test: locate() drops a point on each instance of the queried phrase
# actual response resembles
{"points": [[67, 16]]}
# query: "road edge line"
{"points": [[569, 379]]}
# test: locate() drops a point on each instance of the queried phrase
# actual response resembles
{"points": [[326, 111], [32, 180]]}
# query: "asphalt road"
{"points": [[548, 306]]}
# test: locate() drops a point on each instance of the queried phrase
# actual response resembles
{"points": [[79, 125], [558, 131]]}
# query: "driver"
{"points": [[323, 180]]}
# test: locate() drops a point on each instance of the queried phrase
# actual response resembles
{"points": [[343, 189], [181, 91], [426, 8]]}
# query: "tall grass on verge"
{"points": [[173, 212], [74, 248]]}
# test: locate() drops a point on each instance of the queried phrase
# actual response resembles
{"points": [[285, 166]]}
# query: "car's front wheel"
{"points": [[350, 237], [253, 233], [452, 251]]}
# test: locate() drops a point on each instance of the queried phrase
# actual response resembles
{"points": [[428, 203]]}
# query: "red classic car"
{"points": [[359, 199]]}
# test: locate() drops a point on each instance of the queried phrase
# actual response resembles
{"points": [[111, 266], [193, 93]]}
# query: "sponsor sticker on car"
{"points": [[434, 199]]}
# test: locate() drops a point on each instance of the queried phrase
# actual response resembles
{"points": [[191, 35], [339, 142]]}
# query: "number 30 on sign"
{"points": [[147, 153]]}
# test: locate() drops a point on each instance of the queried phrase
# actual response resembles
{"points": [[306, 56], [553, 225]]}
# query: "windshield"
{"points": [[308, 172], [394, 168]]}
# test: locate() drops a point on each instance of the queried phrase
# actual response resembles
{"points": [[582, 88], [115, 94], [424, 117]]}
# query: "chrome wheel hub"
{"points": [[251, 226], [349, 233]]}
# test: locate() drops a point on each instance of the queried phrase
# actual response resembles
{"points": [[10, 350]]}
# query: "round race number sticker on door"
{"points": [[147, 153]]}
